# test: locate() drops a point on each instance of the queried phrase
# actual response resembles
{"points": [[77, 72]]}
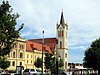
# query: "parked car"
{"points": [[31, 72], [5, 72]]}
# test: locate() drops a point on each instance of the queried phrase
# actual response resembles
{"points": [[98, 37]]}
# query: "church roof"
{"points": [[30, 46], [51, 42], [62, 19], [62, 22]]}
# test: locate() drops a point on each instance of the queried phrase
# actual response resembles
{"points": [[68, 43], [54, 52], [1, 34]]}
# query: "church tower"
{"points": [[62, 37]]}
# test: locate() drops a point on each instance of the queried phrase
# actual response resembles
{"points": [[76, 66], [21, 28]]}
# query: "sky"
{"points": [[82, 17]]}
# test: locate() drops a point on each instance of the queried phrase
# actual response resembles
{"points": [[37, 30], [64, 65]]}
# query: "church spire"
{"points": [[62, 19]]}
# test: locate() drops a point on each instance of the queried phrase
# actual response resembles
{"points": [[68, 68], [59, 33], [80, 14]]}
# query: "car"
{"points": [[31, 72], [5, 72]]}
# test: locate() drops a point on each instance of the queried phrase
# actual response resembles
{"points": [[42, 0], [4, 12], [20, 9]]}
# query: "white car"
{"points": [[5, 72], [31, 72]]}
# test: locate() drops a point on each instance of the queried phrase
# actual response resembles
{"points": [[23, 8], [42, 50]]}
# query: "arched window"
{"points": [[59, 33], [13, 63], [60, 44], [66, 65], [21, 55], [13, 54], [65, 55], [20, 63], [62, 33], [27, 55], [27, 61], [31, 61]]}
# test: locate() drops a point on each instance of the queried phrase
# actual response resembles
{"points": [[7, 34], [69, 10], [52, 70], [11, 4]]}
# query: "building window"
{"points": [[62, 33], [20, 63], [31, 61], [65, 55], [13, 54], [60, 44], [13, 63], [14, 45], [21, 46], [31, 56], [27, 61], [21, 55], [59, 33], [65, 65], [27, 55]]}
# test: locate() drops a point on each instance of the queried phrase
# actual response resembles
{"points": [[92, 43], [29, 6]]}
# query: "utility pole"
{"points": [[42, 49]]}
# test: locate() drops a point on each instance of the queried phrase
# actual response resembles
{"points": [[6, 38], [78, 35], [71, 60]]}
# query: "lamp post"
{"points": [[42, 49]]}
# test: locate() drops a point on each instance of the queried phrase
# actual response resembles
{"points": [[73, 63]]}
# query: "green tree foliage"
{"points": [[48, 58], [50, 62], [4, 63], [53, 65], [8, 32], [92, 56], [38, 63], [60, 63]]}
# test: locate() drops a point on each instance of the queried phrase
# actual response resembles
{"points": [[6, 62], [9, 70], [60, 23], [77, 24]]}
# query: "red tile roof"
{"points": [[51, 42], [30, 46]]}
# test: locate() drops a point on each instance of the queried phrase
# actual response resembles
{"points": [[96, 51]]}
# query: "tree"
{"points": [[53, 65], [92, 56], [47, 62], [8, 32], [4, 63], [38, 63], [60, 63], [50, 62]]}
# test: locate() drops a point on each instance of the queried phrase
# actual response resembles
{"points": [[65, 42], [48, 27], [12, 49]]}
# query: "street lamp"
{"points": [[42, 49]]}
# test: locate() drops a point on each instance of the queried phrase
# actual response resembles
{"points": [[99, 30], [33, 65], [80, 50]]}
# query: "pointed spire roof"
{"points": [[62, 19]]}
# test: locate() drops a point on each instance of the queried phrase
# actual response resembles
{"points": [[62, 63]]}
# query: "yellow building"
{"points": [[17, 54], [24, 53], [29, 60], [34, 49]]}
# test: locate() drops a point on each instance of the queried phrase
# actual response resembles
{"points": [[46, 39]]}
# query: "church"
{"points": [[60, 43]]}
